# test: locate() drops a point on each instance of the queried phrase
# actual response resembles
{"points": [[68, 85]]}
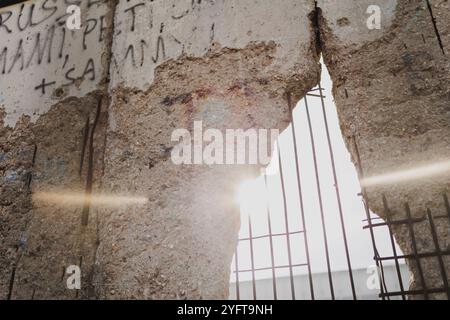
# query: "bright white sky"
{"points": [[254, 198]]}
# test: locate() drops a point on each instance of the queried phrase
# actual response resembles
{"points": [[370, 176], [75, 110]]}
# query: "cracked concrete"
{"points": [[181, 243], [231, 65], [54, 235], [46, 130], [392, 94]]}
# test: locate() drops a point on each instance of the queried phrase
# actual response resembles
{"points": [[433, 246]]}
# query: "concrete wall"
{"points": [[93, 111], [51, 80], [148, 34], [391, 88], [229, 64], [42, 61]]}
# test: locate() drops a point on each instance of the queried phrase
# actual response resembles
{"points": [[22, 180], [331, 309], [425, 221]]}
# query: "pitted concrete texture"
{"points": [[392, 92], [349, 20], [232, 67], [16, 161], [148, 33], [440, 10], [51, 80], [54, 237]]}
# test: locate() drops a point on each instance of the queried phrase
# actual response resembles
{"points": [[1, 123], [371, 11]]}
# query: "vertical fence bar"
{"points": [[415, 251], [383, 283], [272, 259], [252, 257], [438, 252], [236, 265], [394, 249], [299, 186], [272, 255], [288, 239], [319, 193], [369, 218], [338, 196]]}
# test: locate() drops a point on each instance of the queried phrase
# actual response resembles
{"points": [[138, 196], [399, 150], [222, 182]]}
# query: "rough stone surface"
{"points": [[45, 134], [181, 243], [392, 93], [54, 238], [16, 158]]}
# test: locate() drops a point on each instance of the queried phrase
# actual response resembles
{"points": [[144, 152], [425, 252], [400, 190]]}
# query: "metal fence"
{"points": [[429, 220], [295, 278]]}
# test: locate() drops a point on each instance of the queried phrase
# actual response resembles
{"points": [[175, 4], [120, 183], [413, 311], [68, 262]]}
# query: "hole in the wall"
{"points": [[59, 93], [343, 22], [274, 259]]}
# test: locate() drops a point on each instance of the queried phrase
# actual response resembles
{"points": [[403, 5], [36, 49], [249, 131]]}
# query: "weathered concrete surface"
{"points": [[148, 34], [17, 149], [42, 61], [227, 63], [392, 90], [45, 134], [440, 11], [53, 236]]}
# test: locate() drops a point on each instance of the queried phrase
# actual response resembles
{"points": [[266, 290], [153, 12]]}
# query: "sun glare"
{"points": [[72, 198], [417, 173]]}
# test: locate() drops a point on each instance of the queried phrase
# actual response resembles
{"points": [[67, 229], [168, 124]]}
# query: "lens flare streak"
{"points": [[70, 198], [417, 173]]}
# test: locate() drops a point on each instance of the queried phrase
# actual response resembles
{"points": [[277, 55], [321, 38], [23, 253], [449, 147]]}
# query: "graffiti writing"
{"points": [[37, 42]]}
